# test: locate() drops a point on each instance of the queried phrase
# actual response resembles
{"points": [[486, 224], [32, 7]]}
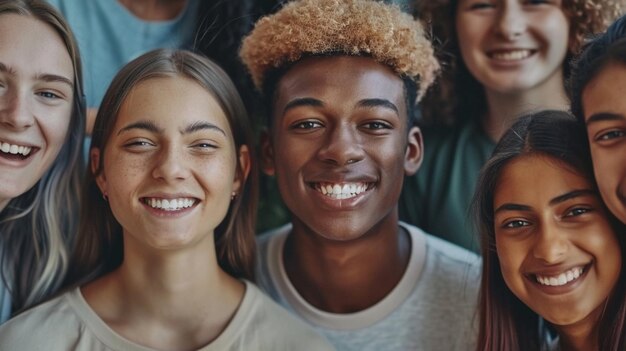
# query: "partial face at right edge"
{"points": [[604, 108], [339, 145]]}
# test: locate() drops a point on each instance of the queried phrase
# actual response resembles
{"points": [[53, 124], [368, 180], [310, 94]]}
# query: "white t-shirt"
{"points": [[68, 323], [433, 307]]}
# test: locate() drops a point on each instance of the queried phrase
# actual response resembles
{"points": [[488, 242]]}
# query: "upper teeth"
{"points": [[170, 204], [560, 279], [511, 55], [341, 191], [15, 149]]}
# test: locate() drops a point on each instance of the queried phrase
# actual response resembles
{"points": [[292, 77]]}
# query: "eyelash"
{"points": [[306, 125], [610, 135], [579, 211], [511, 224], [48, 95]]}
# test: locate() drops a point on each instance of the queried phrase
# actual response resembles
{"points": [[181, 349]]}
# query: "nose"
{"points": [[342, 146], [551, 245], [16, 112], [170, 164], [511, 21]]}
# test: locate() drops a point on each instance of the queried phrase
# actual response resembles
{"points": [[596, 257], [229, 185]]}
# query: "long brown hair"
{"points": [[506, 323], [37, 228], [99, 247]]}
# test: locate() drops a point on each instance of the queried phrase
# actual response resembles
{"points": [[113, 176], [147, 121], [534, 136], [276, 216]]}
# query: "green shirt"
{"points": [[437, 199]]}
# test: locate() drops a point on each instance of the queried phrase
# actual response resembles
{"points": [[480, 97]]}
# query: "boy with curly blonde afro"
{"points": [[341, 80]]}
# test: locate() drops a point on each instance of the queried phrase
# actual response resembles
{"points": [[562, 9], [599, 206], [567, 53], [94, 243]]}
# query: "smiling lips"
{"points": [[561, 279], [510, 55], [169, 204], [341, 191], [14, 149]]}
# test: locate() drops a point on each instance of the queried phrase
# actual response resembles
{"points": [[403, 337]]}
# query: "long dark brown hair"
{"points": [[506, 323], [99, 247]]}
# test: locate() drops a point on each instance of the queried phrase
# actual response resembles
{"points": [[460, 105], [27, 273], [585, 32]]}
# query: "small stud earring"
{"points": [[105, 196], [233, 195]]}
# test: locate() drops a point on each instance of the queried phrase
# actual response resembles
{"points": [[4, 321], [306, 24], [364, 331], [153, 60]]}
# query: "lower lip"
{"points": [[169, 214], [341, 204], [16, 161], [562, 289]]}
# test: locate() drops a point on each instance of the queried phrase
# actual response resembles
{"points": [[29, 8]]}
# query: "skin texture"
{"points": [[489, 30], [558, 226], [171, 140], [605, 115], [36, 99], [342, 120]]}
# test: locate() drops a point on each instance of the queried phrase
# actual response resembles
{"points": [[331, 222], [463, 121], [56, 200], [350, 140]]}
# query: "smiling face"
{"points": [[36, 99], [170, 165], [512, 46], [339, 145], [557, 251], [604, 108]]}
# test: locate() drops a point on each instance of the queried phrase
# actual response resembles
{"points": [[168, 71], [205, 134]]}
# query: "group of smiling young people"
{"points": [[154, 247]]}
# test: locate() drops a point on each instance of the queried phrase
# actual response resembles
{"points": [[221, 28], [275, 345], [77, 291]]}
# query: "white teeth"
{"points": [[170, 204], [14, 149], [560, 279], [511, 55], [338, 191]]}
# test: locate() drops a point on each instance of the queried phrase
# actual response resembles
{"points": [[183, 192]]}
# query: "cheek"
{"points": [[55, 127], [511, 257], [468, 37], [606, 168], [123, 173]]}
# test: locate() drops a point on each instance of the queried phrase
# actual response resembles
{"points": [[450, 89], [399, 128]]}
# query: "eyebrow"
{"points": [[145, 125], [55, 78], [511, 207], [365, 103], [605, 116], [46, 77], [371, 103], [151, 127], [302, 102], [201, 125], [557, 200], [571, 195]]}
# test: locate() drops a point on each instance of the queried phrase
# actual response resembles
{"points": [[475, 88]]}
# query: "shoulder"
{"points": [[55, 322], [449, 262], [270, 327]]}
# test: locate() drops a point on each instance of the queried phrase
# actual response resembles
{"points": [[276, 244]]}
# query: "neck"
{"points": [[154, 10], [345, 277], [504, 108], [578, 338], [164, 299]]}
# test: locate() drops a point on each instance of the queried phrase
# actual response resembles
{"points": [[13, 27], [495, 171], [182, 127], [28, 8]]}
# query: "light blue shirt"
{"points": [[109, 36]]}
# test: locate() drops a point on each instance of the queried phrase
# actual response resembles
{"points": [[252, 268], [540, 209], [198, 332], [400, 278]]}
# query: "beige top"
{"points": [[68, 323]]}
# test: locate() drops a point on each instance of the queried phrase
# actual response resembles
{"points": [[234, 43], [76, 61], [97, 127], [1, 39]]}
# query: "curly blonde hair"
{"points": [[351, 27], [457, 93]]}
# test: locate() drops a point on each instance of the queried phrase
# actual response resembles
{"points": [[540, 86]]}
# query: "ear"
{"points": [[244, 168], [267, 153], [94, 157], [414, 151]]}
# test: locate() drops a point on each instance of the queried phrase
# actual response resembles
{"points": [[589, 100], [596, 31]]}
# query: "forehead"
{"points": [[536, 178], [340, 80], [31, 47], [171, 101], [606, 91]]}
